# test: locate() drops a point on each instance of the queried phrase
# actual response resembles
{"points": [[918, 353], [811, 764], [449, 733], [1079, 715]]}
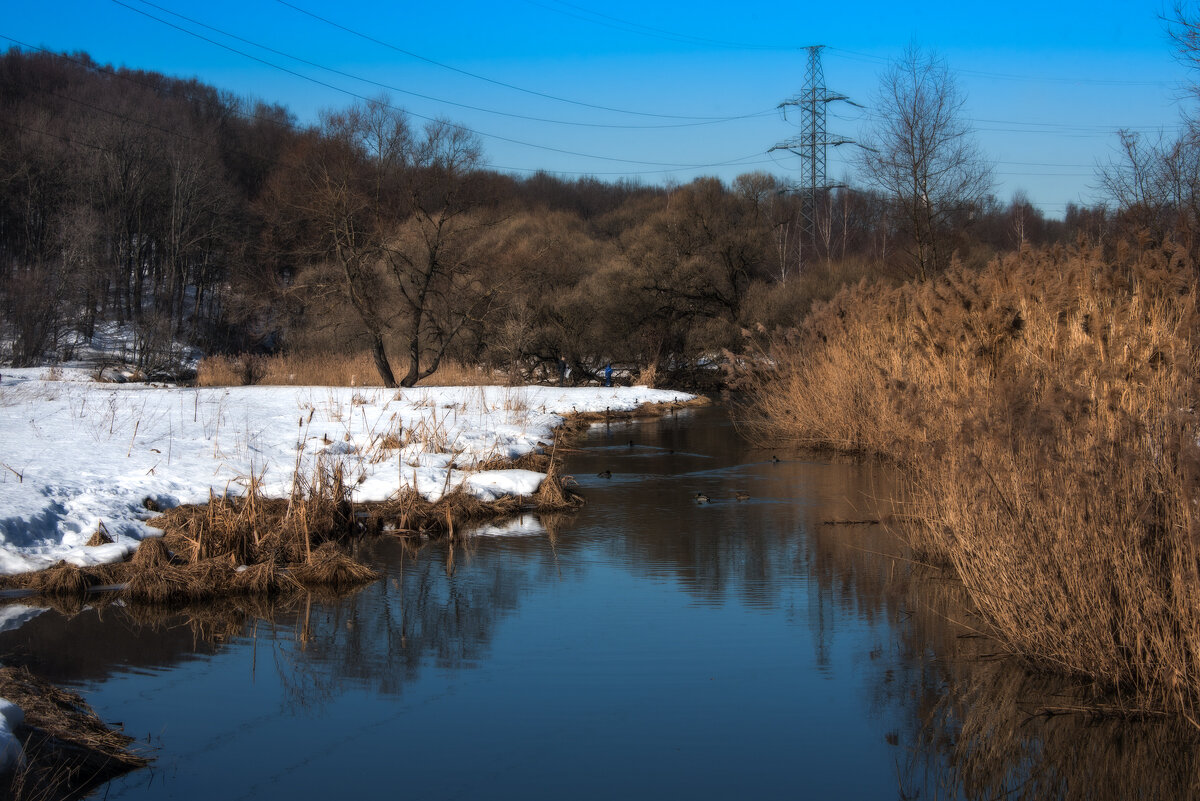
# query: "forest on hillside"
{"points": [[187, 215]]}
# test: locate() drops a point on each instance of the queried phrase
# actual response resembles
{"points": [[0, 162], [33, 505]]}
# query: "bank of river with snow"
{"points": [[77, 454]]}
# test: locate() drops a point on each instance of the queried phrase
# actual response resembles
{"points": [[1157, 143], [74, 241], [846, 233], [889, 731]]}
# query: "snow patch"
{"points": [[79, 453], [11, 753]]}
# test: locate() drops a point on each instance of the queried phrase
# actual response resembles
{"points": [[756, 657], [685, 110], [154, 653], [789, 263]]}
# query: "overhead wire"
{"points": [[1058, 129], [493, 81], [125, 75], [432, 98], [181, 135], [457, 126], [869, 57]]}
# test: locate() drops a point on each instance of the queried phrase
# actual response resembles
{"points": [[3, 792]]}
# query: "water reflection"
{"points": [[771, 645]]}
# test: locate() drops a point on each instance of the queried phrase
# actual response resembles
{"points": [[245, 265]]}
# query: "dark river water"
{"points": [[647, 646]]}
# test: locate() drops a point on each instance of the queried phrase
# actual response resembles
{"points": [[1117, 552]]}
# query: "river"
{"points": [[650, 645]]}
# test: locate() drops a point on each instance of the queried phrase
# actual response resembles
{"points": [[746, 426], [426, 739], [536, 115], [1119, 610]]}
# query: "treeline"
{"points": [[190, 215]]}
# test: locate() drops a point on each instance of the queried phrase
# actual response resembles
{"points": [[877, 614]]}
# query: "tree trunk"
{"points": [[381, 362]]}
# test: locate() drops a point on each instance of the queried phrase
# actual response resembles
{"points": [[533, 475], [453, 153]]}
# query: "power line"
{"points": [[741, 160], [855, 56], [492, 81], [432, 98], [1067, 129], [157, 89], [357, 96]]}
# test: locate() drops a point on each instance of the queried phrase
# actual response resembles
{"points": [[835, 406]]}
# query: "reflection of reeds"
{"points": [[993, 729], [1045, 411], [976, 721]]}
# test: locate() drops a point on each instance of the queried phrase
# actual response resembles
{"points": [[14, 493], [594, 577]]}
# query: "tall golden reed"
{"points": [[353, 369], [1044, 412]]}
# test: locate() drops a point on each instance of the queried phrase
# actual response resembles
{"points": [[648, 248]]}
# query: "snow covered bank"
{"points": [[75, 453], [11, 751]]}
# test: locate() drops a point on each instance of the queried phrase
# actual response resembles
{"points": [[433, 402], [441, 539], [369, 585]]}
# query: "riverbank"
{"points": [[161, 495], [83, 457]]}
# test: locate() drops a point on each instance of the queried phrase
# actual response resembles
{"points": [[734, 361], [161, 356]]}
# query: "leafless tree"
{"points": [[383, 218], [1155, 186], [922, 155]]}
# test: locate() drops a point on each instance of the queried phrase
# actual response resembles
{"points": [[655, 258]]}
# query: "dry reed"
{"points": [[325, 369], [1044, 410]]}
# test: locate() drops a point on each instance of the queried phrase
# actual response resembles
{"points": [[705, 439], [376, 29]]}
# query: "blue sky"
{"points": [[664, 91]]}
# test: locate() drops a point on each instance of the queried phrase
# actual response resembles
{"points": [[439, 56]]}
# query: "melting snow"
{"points": [[76, 453]]}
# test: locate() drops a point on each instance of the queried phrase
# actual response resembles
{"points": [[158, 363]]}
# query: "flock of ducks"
{"points": [[740, 495]]}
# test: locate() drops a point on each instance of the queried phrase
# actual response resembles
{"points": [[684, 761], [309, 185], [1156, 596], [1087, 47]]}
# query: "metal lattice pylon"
{"points": [[814, 141]]}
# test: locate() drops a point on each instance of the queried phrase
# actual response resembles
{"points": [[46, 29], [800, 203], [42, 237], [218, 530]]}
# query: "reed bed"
{"points": [[1044, 412], [325, 370]]}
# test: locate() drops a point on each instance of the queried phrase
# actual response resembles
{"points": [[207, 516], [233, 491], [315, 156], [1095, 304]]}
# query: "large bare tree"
{"points": [[921, 153], [383, 220]]}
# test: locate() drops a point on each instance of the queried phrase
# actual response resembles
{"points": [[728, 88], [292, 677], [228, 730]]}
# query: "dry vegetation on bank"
{"points": [[318, 369], [1044, 411], [251, 545]]}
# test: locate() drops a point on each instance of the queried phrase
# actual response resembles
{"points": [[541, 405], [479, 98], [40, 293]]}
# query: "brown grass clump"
{"points": [[330, 567], [533, 460], [265, 578], [289, 369], [68, 749], [555, 494], [151, 552], [62, 580], [1045, 411], [198, 581], [100, 537], [455, 374]]}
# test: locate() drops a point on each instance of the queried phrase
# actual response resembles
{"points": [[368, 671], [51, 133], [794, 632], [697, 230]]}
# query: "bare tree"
{"points": [[1155, 186], [434, 255], [922, 155], [383, 220]]}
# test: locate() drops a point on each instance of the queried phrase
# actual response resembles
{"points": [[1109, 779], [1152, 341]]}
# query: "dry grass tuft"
{"points": [[198, 581], [68, 749], [555, 494], [330, 567], [100, 537], [151, 552], [263, 579], [63, 581]]}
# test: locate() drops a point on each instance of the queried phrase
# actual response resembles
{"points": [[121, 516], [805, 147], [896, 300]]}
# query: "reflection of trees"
{"points": [[965, 722], [437, 605], [970, 722], [752, 551]]}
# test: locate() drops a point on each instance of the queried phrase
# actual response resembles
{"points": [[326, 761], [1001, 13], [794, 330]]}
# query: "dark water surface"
{"points": [[648, 646]]}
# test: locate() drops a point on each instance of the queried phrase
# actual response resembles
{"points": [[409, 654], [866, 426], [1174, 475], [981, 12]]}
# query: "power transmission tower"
{"points": [[814, 141]]}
